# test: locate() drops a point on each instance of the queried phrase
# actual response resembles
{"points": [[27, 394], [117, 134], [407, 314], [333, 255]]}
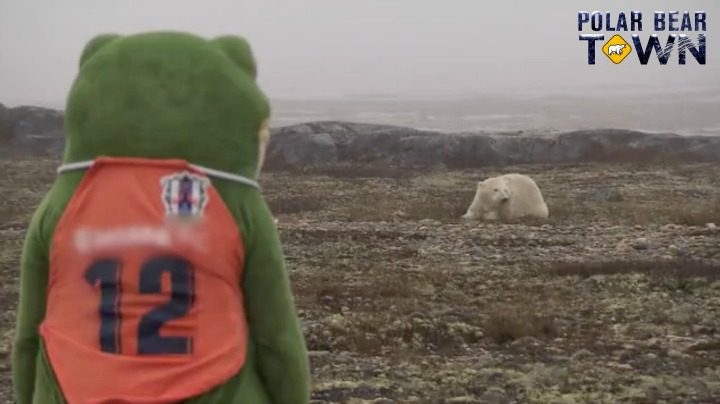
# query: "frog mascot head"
{"points": [[152, 271], [168, 95]]}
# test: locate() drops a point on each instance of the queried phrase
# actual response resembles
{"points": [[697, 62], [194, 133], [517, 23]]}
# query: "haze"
{"points": [[352, 50]]}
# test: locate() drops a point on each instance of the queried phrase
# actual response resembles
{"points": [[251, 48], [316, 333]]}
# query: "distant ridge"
{"points": [[37, 130], [333, 143]]}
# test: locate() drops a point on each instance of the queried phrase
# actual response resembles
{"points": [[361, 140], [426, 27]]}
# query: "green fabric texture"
{"points": [[171, 95]]}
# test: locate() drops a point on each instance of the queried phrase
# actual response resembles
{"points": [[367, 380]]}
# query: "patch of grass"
{"points": [[705, 346], [527, 221], [358, 171], [335, 293], [699, 216], [509, 323], [689, 170], [378, 239], [372, 311], [444, 208], [296, 204], [645, 210], [677, 268], [391, 333], [511, 241]]}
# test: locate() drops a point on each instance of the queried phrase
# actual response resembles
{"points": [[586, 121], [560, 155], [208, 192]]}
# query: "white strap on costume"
{"points": [[74, 166], [208, 171]]}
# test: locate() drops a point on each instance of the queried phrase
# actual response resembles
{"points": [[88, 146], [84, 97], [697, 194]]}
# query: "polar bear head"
{"points": [[492, 199], [494, 192]]}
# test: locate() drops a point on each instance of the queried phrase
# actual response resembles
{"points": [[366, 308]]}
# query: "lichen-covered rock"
{"points": [[6, 127], [33, 129]]}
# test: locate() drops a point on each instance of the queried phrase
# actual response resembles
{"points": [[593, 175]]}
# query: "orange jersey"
{"points": [[144, 296]]}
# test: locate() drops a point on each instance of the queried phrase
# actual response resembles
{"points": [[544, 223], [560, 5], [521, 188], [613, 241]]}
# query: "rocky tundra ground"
{"points": [[615, 299]]}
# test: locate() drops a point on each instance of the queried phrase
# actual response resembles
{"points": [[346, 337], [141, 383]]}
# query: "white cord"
{"points": [[208, 171]]}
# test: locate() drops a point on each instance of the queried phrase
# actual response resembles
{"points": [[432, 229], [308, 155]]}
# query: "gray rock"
{"points": [[640, 244], [31, 128], [460, 400], [301, 149], [683, 314], [6, 126], [606, 195], [494, 395], [581, 355]]}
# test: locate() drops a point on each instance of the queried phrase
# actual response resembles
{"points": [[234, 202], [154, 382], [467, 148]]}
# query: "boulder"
{"points": [[6, 125], [302, 149], [32, 129]]}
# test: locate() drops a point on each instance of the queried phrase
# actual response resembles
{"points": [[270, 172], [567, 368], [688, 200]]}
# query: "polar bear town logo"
{"points": [[617, 49], [184, 195], [685, 38]]}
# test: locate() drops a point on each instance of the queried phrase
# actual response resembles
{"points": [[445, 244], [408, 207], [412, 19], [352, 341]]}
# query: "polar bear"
{"points": [[617, 49], [505, 197]]}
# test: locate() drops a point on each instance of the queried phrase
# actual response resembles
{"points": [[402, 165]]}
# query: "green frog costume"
{"points": [[152, 271]]}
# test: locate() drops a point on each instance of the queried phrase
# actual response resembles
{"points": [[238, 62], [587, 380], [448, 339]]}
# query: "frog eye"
{"points": [[95, 44], [239, 51]]}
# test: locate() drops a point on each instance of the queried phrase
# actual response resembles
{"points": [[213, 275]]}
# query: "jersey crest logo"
{"points": [[184, 195]]}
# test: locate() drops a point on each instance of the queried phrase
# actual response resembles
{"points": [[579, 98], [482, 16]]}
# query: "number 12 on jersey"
{"points": [[106, 275]]}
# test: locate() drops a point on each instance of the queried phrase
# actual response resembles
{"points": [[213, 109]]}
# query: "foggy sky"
{"points": [[338, 48]]}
